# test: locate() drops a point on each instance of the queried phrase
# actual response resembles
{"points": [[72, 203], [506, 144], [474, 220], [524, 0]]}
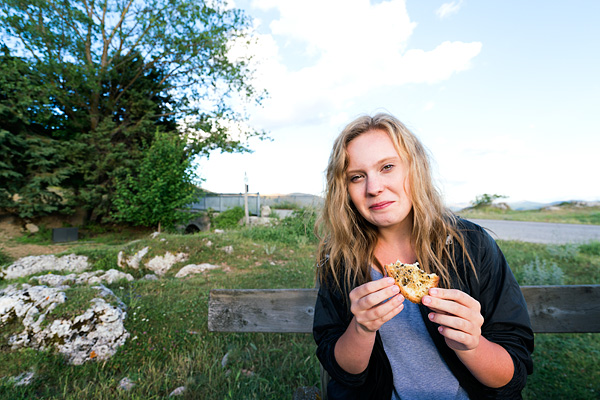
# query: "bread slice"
{"points": [[414, 283]]}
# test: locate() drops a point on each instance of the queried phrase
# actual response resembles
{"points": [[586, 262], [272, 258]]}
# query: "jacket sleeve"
{"points": [[332, 317], [330, 322], [506, 320]]}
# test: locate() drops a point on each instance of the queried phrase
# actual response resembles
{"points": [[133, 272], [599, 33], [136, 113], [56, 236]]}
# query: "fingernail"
{"points": [[430, 316], [433, 291], [426, 300]]}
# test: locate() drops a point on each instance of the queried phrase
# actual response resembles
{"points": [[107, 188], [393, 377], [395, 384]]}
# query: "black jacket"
{"points": [[506, 322]]}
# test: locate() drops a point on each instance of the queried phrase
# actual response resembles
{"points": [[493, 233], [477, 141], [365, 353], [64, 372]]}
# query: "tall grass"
{"points": [[170, 345], [565, 214]]}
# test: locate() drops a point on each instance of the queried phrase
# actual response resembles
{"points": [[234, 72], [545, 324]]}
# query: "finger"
{"points": [[459, 340], [469, 326], [374, 301], [455, 295], [374, 318], [371, 286]]}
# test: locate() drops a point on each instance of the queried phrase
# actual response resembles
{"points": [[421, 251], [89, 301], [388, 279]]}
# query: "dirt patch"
{"points": [[10, 229]]}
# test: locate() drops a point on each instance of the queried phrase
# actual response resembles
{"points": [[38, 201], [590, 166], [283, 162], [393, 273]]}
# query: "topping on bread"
{"points": [[414, 283]]}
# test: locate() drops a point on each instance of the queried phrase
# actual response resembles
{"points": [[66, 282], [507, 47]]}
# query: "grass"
{"points": [[565, 214], [170, 345]]}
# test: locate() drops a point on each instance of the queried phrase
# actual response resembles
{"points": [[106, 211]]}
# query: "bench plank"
{"points": [[563, 309], [552, 309], [261, 310]]}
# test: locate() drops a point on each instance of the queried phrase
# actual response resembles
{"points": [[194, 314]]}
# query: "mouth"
{"points": [[380, 206]]}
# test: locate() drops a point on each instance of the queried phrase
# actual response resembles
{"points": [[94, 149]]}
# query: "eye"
{"points": [[387, 167], [354, 178]]}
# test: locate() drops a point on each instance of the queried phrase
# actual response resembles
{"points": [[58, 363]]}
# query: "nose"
{"points": [[374, 185]]}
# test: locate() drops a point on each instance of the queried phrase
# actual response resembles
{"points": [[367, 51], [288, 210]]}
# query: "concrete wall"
{"points": [[222, 202]]}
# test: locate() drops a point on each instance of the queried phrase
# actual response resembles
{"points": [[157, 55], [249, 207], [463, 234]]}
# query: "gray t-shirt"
{"points": [[419, 370]]}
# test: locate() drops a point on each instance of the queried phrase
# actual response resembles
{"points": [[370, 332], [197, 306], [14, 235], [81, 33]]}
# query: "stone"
{"points": [[23, 379], [89, 278], [134, 260], [32, 228], [194, 269], [126, 384], [96, 334], [227, 249], [35, 264], [265, 211], [160, 265], [178, 392]]}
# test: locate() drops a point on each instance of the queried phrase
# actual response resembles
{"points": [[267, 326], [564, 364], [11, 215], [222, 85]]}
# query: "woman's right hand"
{"points": [[369, 305]]}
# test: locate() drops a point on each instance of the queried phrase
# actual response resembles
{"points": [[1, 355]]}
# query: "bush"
{"points": [[538, 272], [228, 219], [295, 229], [591, 248]]}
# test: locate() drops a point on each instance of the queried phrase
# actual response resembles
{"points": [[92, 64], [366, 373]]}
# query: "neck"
{"points": [[394, 245]]}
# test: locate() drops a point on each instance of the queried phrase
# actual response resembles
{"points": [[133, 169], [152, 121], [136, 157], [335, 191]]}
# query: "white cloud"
{"points": [[357, 48], [448, 9]]}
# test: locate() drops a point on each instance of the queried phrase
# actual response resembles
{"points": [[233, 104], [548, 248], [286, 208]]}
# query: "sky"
{"points": [[504, 94]]}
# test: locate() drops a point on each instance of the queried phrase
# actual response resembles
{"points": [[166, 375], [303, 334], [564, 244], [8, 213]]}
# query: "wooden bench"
{"points": [[552, 309]]}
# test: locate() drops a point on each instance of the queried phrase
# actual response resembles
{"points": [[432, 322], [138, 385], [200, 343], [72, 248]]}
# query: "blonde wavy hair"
{"points": [[347, 240]]}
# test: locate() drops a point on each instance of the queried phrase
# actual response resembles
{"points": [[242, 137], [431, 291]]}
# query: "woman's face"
{"points": [[378, 181]]}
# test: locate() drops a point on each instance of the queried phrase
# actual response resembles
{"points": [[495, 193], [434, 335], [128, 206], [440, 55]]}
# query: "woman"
{"points": [[471, 337]]}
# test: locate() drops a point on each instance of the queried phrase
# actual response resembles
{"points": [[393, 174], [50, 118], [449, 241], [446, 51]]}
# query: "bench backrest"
{"points": [[552, 309]]}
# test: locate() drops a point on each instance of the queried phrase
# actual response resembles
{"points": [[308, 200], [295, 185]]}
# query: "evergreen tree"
{"points": [[99, 78]]}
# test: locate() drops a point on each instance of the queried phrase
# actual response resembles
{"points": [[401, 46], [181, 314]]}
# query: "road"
{"points": [[540, 232]]}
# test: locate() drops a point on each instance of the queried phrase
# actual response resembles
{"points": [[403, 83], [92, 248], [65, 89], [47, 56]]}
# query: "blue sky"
{"points": [[504, 94]]}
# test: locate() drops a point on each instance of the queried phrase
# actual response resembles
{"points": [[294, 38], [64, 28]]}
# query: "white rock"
{"points": [[23, 379], [95, 334], [126, 384], [227, 249], [55, 280], [161, 264], [32, 228], [35, 264], [178, 392], [194, 269], [134, 260]]}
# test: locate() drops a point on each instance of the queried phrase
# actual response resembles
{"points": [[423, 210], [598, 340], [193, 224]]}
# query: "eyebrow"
{"points": [[382, 161]]}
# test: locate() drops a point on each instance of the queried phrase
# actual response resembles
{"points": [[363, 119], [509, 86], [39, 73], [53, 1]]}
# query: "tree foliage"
{"points": [[486, 200], [91, 82], [158, 194]]}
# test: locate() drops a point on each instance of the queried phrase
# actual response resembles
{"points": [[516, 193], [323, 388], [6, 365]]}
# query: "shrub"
{"points": [[538, 272], [229, 218], [295, 229], [591, 248]]}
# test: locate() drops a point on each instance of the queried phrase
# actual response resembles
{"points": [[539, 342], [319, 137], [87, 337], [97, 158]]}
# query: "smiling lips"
{"points": [[380, 206]]}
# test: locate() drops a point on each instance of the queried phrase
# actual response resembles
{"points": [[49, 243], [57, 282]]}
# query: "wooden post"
{"points": [[246, 199]]}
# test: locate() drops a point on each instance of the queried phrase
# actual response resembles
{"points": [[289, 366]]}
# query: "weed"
{"points": [[591, 248], [538, 272], [228, 219]]}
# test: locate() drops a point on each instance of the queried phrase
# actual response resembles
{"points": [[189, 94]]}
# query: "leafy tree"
{"points": [[160, 189], [486, 200], [108, 73]]}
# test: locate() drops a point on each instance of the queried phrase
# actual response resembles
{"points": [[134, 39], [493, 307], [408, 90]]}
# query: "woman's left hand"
{"points": [[458, 316]]}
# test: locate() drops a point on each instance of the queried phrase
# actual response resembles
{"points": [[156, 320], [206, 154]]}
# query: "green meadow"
{"points": [[170, 346]]}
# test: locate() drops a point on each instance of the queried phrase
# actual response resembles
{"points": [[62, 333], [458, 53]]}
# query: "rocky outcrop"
{"points": [[160, 265], [35, 264], [192, 269], [94, 335], [89, 278]]}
